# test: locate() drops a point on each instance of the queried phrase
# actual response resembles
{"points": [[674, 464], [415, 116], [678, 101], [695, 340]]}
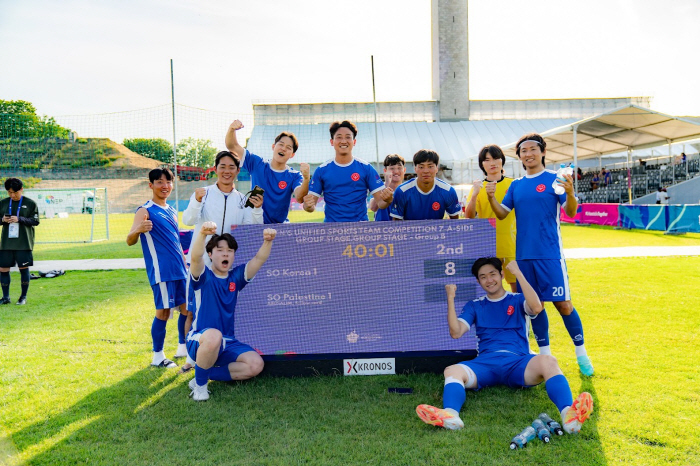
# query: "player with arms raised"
{"points": [[212, 342], [156, 225], [426, 196], [504, 354], [345, 180], [539, 248], [277, 179]]}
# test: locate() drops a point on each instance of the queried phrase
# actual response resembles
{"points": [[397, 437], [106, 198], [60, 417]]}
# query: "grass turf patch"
{"points": [[77, 389]]}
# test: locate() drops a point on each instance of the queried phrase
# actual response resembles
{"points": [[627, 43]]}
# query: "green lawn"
{"points": [[120, 224], [76, 387]]}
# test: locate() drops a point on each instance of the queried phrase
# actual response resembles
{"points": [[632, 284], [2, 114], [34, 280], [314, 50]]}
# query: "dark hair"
{"points": [[426, 155], [479, 263], [156, 173], [214, 241], [336, 125], [532, 137], [495, 152], [393, 159], [14, 184], [225, 153], [290, 135]]}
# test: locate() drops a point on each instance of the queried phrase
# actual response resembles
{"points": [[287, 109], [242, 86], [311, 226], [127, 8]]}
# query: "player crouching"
{"points": [[504, 353], [211, 342]]}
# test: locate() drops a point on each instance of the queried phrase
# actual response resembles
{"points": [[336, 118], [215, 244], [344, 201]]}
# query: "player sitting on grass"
{"points": [[155, 224], [211, 342], [504, 354]]}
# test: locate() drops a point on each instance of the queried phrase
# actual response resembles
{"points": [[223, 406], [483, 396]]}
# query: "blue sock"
{"points": [[181, 328], [573, 324], [453, 396], [158, 334], [201, 375], [5, 281], [540, 327], [559, 391], [220, 373]]}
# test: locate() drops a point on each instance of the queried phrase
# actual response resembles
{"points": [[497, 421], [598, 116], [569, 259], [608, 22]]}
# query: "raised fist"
{"points": [[476, 186], [386, 194], [513, 267], [269, 234], [236, 125], [451, 290], [305, 170], [310, 202], [199, 194], [491, 188], [208, 228]]}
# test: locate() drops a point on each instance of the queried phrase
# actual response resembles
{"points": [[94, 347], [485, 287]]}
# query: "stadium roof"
{"points": [[627, 128]]}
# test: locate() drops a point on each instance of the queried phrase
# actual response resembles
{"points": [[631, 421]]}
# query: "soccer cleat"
{"points": [[584, 364], [197, 392], [167, 363], [21, 301], [439, 417], [181, 351], [5, 301], [576, 414]]}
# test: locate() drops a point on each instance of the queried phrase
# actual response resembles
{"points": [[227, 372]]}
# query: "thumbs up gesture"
{"points": [[146, 225]]}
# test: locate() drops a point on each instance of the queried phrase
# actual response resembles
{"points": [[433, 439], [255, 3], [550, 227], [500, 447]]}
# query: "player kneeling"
{"points": [[504, 353], [211, 342]]}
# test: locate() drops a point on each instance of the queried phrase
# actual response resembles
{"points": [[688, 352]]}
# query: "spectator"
{"points": [[579, 174], [683, 157], [662, 196], [595, 182], [607, 177]]}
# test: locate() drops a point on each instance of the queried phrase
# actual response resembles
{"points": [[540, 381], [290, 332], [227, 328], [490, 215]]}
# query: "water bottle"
{"points": [[553, 426], [541, 430], [563, 170], [520, 440]]}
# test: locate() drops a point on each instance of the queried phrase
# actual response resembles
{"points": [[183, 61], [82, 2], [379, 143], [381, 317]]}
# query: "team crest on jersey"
{"points": [[540, 188], [282, 184], [355, 176], [232, 286], [511, 310], [436, 206]]}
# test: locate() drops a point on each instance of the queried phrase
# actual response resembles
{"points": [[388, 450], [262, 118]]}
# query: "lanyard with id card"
{"points": [[13, 231]]}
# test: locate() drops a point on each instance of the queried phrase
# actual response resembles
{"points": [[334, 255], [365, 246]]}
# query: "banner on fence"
{"points": [[643, 217], [596, 214], [348, 288], [684, 218]]}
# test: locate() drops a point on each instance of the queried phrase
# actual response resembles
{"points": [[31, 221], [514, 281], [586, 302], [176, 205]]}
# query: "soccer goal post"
{"points": [[71, 215]]}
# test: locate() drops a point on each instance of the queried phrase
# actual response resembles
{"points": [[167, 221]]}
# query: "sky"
{"points": [[77, 57]]}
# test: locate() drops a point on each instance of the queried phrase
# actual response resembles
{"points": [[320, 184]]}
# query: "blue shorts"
{"points": [[548, 277], [229, 351], [501, 368], [168, 295]]}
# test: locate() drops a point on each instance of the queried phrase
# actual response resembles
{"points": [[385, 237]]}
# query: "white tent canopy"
{"points": [[624, 129]]}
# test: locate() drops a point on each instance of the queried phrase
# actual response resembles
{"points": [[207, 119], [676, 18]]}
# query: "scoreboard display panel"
{"points": [[334, 290]]}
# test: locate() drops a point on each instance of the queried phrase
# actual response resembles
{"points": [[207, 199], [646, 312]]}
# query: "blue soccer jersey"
{"points": [[215, 299], [537, 210], [161, 246], [410, 203], [279, 186], [382, 215], [500, 324], [344, 188]]}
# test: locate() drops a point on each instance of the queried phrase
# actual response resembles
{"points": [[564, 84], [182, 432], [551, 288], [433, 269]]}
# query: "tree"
{"points": [[18, 118], [196, 153], [154, 148]]}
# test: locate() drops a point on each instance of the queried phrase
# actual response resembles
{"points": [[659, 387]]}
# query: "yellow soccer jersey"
{"points": [[505, 229]]}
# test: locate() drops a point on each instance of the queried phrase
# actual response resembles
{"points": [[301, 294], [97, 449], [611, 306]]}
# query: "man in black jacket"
{"points": [[19, 217]]}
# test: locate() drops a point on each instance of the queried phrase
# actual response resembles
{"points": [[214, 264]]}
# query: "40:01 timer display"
{"points": [[360, 250]]}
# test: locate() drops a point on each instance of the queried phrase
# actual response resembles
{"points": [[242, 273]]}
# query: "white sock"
{"points": [[545, 350], [580, 350], [452, 412], [158, 357]]}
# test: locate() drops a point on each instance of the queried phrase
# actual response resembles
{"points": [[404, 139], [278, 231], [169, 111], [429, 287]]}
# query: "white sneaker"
{"points": [[199, 393], [181, 350]]}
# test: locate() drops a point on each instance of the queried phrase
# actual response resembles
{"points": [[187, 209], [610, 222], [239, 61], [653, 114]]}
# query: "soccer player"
{"points": [[277, 179], [426, 196], [212, 342], [19, 217], [394, 171], [345, 180], [504, 354], [156, 225], [491, 162], [539, 249]]}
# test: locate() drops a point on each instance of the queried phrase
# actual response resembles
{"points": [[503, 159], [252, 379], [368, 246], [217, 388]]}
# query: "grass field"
{"points": [[120, 224], [76, 387]]}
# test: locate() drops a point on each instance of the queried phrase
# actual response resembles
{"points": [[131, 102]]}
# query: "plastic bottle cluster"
{"points": [[543, 428]]}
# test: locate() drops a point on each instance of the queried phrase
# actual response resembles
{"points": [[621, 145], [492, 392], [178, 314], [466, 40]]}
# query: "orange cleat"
{"points": [[439, 417], [575, 415]]}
